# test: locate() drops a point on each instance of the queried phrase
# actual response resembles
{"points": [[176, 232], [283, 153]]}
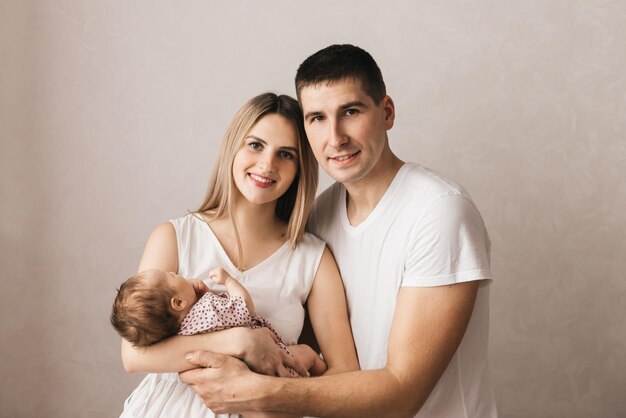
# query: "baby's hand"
{"points": [[199, 286], [219, 275]]}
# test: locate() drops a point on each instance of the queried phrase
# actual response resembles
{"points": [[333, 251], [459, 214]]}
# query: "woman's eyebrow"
{"points": [[257, 138], [292, 149]]}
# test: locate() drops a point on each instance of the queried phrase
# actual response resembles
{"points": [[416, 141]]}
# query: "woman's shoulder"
{"points": [[190, 227], [310, 242], [191, 219]]}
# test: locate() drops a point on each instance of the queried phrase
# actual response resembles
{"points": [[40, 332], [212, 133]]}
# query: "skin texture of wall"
{"points": [[110, 116]]}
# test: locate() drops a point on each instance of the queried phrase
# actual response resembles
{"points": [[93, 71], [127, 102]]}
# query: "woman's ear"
{"points": [[178, 304]]}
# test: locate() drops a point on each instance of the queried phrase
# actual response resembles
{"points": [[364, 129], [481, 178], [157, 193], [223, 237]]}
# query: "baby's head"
{"points": [[150, 306]]}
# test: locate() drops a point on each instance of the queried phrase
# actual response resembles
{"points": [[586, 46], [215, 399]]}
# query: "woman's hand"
{"points": [[306, 356], [263, 355]]}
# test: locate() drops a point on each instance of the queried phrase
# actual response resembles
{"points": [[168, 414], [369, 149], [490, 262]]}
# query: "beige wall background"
{"points": [[110, 116]]}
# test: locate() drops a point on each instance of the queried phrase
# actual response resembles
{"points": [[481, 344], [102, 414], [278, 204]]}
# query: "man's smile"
{"points": [[344, 158]]}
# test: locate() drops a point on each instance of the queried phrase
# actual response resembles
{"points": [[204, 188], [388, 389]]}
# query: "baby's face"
{"points": [[184, 289]]}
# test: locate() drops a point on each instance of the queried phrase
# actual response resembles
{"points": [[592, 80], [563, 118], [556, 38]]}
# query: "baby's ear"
{"points": [[178, 304]]}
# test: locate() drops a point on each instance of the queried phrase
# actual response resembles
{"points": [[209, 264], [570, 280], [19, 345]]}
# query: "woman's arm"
{"points": [[169, 355], [329, 317], [161, 252], [256, 347]]}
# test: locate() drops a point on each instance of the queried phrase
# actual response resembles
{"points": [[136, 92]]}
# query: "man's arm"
{"points": [[428, 326]]}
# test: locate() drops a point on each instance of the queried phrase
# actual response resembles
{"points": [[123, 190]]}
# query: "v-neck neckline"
{"points": [[230, 263], [378, 210]]}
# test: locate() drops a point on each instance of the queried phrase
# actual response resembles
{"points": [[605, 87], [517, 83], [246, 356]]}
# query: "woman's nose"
{"points": [[266, 162]]}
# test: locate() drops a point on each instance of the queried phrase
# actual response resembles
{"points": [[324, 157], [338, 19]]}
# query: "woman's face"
{"points": [[267, 163]]}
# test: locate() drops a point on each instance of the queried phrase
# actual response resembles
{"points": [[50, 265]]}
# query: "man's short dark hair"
{"points": [[340, 62]]}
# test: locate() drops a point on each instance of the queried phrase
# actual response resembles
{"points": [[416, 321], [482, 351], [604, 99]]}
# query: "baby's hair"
{"points": [[142, 312]]}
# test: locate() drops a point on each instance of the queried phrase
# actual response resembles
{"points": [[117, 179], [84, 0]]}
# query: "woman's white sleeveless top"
{"points": [[279, 286]]}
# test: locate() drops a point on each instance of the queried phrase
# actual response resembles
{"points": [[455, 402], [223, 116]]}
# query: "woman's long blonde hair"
{"points": [[294, 206]]}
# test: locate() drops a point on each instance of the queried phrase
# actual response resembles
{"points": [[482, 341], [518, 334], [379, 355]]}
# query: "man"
{"points": [[414, 256]]}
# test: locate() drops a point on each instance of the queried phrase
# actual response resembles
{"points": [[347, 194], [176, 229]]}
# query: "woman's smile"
{"points": [[261, 181]]}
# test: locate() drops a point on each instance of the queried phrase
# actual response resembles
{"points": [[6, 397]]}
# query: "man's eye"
{"points": [[351, 112], [318, 118]]}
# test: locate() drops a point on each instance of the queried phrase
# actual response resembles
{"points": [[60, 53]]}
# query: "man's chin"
{"points": [[343, 175]]}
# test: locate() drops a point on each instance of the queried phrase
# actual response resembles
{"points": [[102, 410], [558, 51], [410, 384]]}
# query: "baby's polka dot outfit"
{"points": [[215, 312]]}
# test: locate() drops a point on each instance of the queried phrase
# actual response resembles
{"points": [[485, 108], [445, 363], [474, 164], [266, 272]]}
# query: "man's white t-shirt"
{"points": [[425, 231]]}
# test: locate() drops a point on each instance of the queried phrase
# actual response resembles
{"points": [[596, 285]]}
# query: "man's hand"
{"points": [[225, 384], [263, 355], [221, 382]]}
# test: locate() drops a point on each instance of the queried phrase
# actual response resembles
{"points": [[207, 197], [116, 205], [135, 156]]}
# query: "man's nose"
{"points": [[337, 137]]}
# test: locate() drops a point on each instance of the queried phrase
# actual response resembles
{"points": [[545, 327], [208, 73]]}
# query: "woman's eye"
{"points": [[286, 155], [255, 145]]}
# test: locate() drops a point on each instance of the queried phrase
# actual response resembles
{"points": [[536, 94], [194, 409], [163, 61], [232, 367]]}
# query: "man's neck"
{"points": [[363, 196]]}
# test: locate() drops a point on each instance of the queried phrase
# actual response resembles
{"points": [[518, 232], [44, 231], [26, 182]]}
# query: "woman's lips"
{"points": [[261, 181]]}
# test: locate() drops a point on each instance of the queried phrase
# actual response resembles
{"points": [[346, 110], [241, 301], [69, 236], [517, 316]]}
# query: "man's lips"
{"points": [[344, 158]]}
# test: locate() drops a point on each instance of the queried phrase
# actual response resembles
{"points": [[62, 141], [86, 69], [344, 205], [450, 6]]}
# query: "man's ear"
{"points": [[390, 111], [178, 304]]}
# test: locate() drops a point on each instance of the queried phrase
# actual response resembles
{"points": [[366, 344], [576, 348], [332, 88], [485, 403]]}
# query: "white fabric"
{"points": [[279, 286], [425, 231]]}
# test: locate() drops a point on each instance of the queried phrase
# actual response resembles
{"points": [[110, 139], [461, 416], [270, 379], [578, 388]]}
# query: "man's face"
{"points": [[346, 129]]}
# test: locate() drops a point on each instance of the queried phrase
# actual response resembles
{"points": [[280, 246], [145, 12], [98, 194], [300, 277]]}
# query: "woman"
{"points": [[252, 224]]}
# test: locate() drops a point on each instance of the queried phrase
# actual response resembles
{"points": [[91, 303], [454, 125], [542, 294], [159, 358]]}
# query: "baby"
{"points": [[153, 305]]}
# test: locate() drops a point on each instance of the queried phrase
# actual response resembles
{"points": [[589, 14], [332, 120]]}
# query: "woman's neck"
{"points": [[257, 222], [260, 233]]}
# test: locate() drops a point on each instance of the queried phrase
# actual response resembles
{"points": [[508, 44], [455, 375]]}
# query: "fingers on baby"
{"points": [[206, 359], [290, 361], [219, 275]]}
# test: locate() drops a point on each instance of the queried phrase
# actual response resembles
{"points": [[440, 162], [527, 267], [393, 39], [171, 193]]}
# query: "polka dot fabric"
{"points": [[215, 312]]}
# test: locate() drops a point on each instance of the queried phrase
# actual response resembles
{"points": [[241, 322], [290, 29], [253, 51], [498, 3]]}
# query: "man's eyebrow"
{"points": [[311, 114], [356, 103]]}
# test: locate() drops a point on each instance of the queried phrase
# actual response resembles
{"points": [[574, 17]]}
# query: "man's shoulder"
{"points": [[328, 198], [326, 208], [424, 182]]}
